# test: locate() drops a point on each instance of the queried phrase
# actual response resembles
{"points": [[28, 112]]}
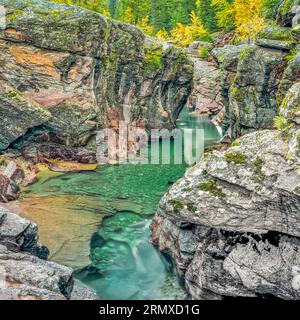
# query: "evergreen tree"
{"points": [[207, 14]]}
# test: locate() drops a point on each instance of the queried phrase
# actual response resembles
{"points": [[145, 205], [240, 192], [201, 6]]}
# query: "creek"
{"points": [[97, 222]]}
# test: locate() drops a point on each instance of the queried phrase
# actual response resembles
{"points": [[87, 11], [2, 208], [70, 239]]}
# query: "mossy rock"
{"points": [[191, 207], [153, 58], [258, 164], [176, 204], [235, 157], [17, 115], [275, 32], [284, 15], [212, 187], [296, 33]]}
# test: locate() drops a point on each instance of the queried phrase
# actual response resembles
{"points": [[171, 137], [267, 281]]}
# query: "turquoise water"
{"points": [[123, 264]]}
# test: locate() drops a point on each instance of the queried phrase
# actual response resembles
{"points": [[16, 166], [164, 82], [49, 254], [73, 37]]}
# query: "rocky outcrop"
{"points": [[232, 223], [24, 272], [77, 71], [205, 96], [290, 77], [250, 79]]}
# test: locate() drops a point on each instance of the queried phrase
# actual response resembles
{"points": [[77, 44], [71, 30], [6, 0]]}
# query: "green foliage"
{"points": [[153, 58], [298, 145], [283, 125], [177, 205], [258, 163], [225, 14], [212, 187], [291, 55], [236, 157], [270, 7], [275, 32], [286, 6], [93, 5], [191, 207], [235, 143], [187, 189], [204, 53], [207, 14], [184, 21]]}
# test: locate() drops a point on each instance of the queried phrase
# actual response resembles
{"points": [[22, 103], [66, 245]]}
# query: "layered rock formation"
{"points": [[250, 79], [75, 72], [232, 225]]}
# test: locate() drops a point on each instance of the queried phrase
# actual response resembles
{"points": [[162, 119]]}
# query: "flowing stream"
{"points": [[98, 223]]}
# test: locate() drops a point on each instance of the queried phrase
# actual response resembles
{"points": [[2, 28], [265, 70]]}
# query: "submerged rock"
{"points": [[24, 272]]}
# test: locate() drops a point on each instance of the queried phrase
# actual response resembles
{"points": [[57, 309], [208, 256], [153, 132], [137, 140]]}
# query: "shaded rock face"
{"points": [[288, 13], [77, 71], [232, 223], [24, 272], [250, 77]]}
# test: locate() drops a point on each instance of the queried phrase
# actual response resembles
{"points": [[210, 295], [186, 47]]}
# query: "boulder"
{"points": [[14, 172], [290, 106], [275, 44], [247, 188], [231, 225], [290, 76], [17, 114], [27, 277], [296, 33], [19, 234], [240, 265]]}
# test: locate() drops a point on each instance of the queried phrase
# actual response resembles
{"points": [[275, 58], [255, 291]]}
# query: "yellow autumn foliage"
{"points": [[225, 13], [246, 16], [129, 16], [163, 35], [184, 35], [94, 5], [145, 26]]}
